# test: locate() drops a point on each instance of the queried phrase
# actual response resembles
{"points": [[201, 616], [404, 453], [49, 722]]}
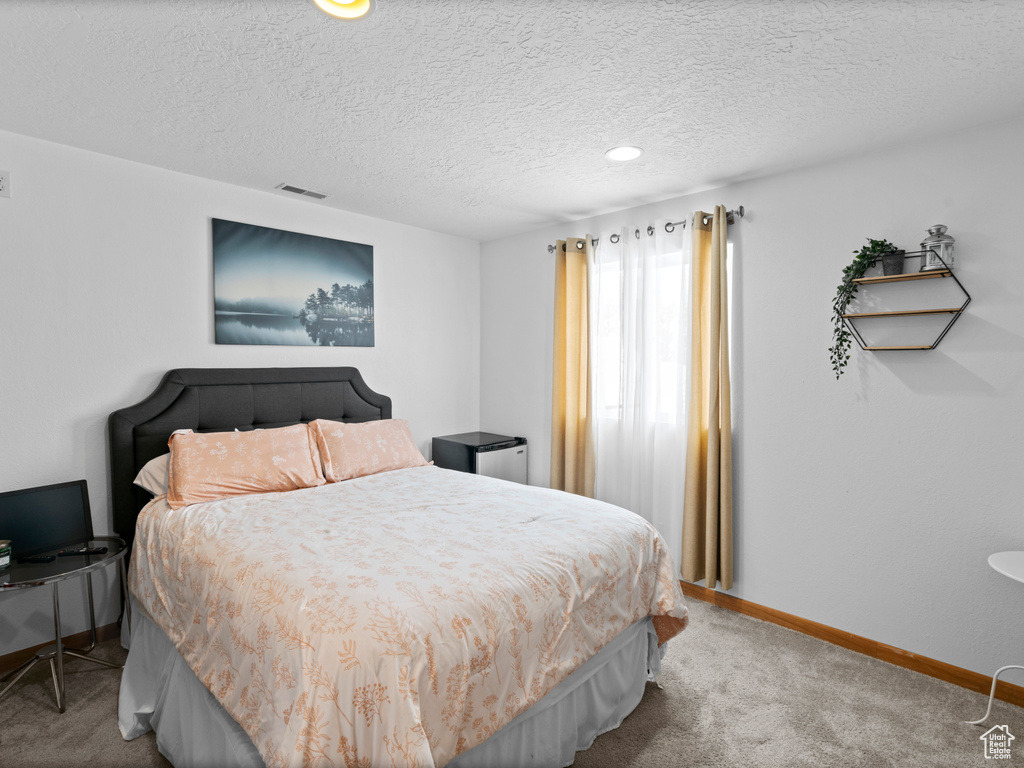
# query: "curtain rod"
{"points": [[670, 226]]}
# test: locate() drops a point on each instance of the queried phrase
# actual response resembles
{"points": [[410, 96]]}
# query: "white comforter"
{"points": [[397, 619]]}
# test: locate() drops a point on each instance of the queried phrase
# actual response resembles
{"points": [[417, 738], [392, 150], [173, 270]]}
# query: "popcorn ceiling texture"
{"points": [[484, 118]]}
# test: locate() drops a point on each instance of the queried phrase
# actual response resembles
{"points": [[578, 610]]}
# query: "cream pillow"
{"points": [[213, 465], [355, 450], [153, 476]]}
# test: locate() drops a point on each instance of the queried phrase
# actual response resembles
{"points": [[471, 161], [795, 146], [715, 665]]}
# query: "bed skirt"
{"points": [[159, 692]]}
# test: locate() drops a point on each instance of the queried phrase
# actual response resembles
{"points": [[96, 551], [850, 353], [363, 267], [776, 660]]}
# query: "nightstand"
{"points": [[63, 568]]}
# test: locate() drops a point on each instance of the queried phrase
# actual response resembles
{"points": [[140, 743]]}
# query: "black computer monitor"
{"points": [[45, 518]]}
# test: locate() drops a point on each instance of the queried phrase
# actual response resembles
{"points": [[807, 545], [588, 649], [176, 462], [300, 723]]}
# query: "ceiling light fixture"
{"points": [[346, 10], [623, 154]]}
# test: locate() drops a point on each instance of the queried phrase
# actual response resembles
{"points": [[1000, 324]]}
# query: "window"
{"points": [[640, 316], [641, 304]]}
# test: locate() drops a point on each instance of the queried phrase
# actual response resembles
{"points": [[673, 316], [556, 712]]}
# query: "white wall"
{"points": [[869, 504], [106, 283]]}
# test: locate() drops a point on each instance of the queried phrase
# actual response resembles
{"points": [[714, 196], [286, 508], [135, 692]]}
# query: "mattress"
{"points": [[398, 619]]}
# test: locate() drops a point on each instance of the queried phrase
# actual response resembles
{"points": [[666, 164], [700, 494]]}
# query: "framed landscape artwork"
{"points": [[276, 287]]}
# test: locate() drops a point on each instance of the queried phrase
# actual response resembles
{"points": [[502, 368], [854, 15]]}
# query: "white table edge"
{"points": [[1010, 564]]}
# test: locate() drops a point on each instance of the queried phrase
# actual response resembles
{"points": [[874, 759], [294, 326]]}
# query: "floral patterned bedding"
{"points": [[397, 619]]}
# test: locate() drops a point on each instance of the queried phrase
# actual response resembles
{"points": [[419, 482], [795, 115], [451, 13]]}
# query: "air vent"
{"points": [[300, 191]]}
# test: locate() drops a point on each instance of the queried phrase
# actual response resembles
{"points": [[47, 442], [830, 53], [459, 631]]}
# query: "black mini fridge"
{"points": [[483, 453]]}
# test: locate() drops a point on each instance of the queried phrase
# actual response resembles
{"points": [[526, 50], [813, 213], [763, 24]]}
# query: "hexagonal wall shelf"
{"points": [[849, 318]]}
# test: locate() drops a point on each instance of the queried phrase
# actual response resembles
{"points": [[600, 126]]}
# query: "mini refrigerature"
{"points": [[483, 453]]}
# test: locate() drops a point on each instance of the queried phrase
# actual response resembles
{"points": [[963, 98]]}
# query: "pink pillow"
{"points": [[212, 465], [354, 450]]}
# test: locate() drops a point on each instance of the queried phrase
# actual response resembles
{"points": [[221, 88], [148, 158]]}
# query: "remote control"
{"points": [[83, 551], [37, 559]]}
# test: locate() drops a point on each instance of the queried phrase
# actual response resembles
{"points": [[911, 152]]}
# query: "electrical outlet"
{"points": [[5, 183]]}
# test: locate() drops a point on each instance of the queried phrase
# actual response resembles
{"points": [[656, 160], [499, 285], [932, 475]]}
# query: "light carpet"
{"points": [[734, 691]]}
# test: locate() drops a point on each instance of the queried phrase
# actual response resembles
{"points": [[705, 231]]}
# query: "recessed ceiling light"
{"points": [[346, 10], [622, 154]]}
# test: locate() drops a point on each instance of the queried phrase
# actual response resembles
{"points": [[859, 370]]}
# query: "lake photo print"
{"points": [[277, 287]]}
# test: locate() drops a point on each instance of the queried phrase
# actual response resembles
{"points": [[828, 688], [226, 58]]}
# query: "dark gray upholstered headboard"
{"points": [[220, 400]]}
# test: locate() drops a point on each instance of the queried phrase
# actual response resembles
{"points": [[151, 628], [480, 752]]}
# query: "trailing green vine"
{"points": [[865, 258]]}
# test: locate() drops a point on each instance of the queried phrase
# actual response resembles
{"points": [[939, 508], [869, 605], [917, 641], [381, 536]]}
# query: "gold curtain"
{"points": [[572, 429], [707, 510]]}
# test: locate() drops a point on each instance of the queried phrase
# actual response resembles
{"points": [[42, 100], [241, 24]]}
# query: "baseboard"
{"points": [[14, 660], [964, 678]]}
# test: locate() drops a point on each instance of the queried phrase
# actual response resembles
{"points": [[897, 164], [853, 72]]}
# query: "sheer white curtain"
{"points": [[640, 315]]}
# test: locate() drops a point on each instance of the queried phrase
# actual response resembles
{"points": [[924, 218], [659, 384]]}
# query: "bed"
{"points": [[412, 617]]}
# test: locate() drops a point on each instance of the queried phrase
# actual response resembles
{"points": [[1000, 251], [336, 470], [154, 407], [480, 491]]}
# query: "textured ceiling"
{"points": [[483, 118]]}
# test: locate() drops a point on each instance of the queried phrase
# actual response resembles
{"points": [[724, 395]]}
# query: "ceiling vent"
{"points": [[300, 191]]}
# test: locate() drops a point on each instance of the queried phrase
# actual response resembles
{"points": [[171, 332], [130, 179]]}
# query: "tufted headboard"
{"points": [[221, 400]]}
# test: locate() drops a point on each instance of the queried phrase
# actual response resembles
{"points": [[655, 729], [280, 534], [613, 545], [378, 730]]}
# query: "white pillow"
{"points": [[153, 476]]}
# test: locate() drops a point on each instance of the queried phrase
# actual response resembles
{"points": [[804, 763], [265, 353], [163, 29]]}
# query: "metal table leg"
{"points": [[80, 653], [57, 662], [127, 596], [55, 652], [992, 693], [17, 674]]}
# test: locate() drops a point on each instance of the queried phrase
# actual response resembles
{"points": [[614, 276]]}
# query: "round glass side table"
{"points": [[22, 575]]}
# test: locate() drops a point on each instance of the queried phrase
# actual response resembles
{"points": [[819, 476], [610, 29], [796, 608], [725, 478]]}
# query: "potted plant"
{"points": [[864, 259], [892, 262]]}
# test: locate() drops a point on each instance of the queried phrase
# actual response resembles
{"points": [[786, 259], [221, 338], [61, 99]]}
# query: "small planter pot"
{"points": [[892, 263]]}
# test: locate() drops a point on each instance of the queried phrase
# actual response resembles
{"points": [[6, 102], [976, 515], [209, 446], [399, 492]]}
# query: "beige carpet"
{"points": [[735, 692]]}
